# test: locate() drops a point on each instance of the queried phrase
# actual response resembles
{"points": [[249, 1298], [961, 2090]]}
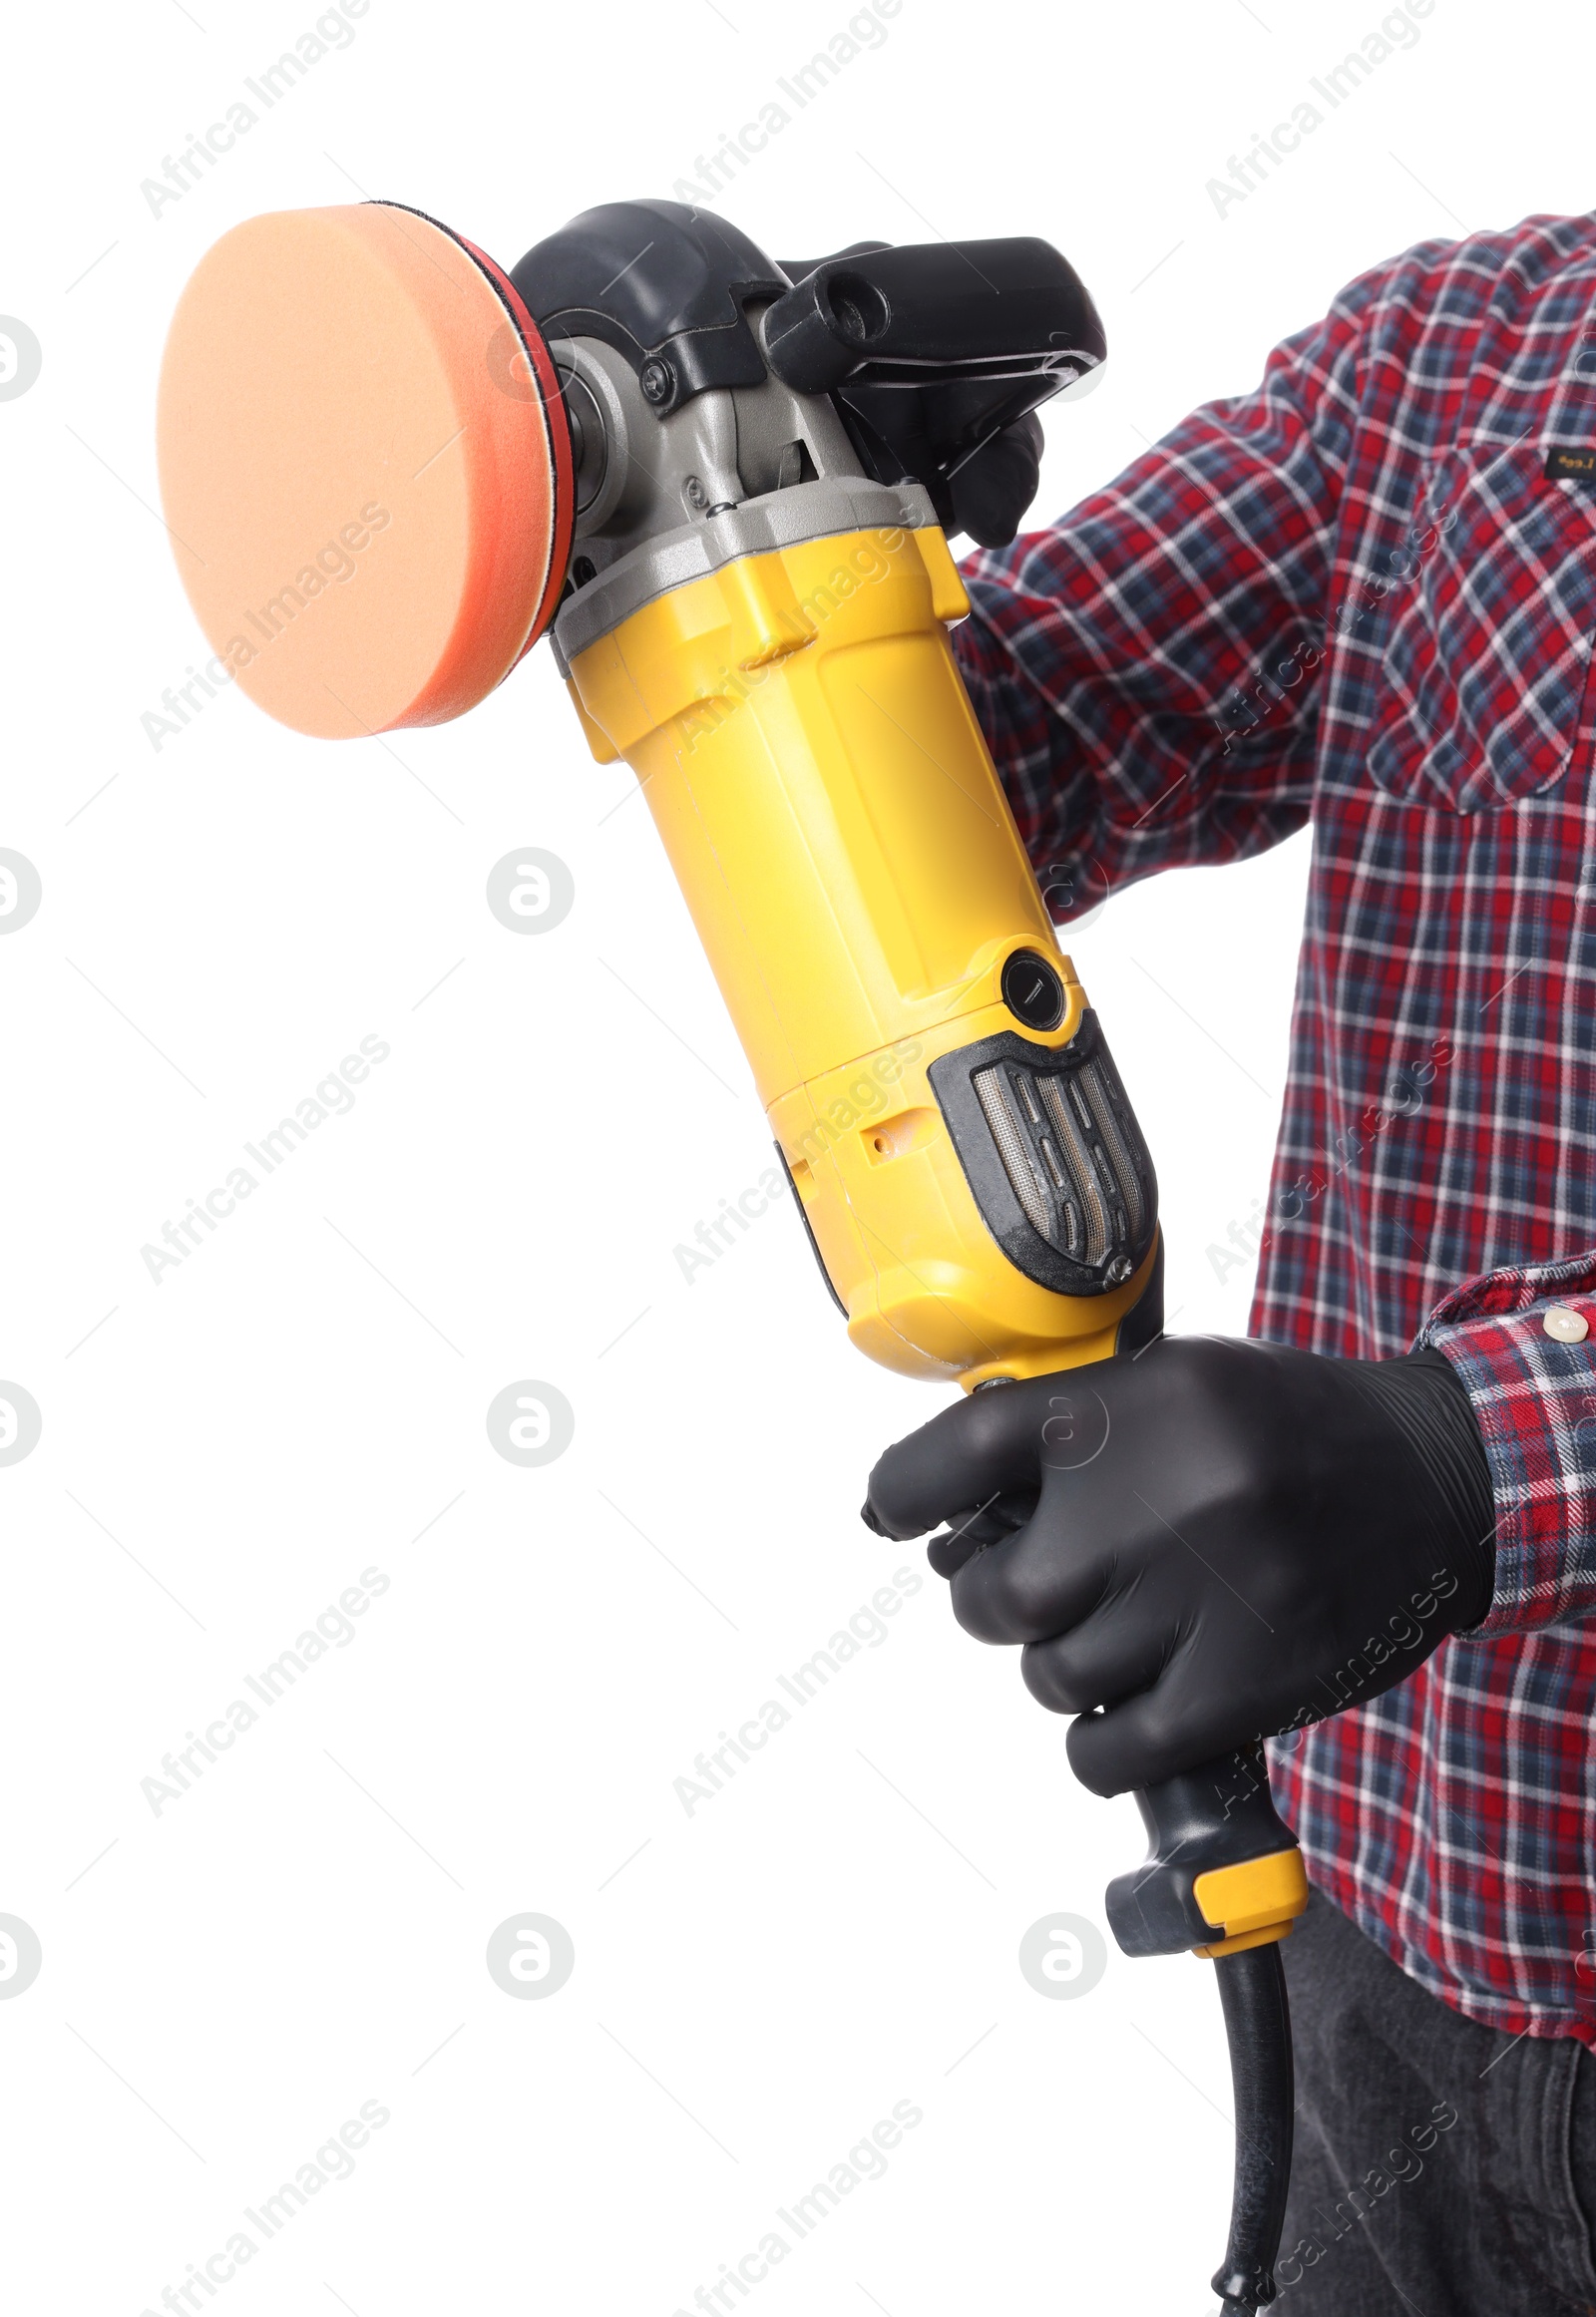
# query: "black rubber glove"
{"points": [[1210, 1542], [991, 491]]}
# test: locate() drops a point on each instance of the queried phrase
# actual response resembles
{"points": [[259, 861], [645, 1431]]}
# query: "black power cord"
{"points": [[1252, 1990]]}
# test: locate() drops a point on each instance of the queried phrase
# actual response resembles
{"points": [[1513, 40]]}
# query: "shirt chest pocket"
{"points": [[1484, 691]]}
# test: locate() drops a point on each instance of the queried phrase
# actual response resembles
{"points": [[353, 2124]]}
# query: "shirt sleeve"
{"points": [[1146, 672], [1523, 1345]]}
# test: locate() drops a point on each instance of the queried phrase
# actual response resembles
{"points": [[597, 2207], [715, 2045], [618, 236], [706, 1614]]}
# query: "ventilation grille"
{"points": [[1075, 1159]]}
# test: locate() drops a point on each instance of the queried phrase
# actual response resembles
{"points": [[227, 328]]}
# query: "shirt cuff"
{"points": [[1534, 1394]]}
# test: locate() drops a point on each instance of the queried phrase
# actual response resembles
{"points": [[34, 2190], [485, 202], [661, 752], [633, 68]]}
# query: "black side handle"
{"points": [[969, 309]]}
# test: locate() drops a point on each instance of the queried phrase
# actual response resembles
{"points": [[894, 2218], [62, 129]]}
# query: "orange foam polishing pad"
{"points": [[365, 467]]}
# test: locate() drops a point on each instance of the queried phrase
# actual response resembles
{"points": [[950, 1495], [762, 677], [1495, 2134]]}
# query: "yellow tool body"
{"points": [[830, 809]]}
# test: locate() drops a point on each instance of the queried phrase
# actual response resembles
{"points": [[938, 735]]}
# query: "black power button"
{"points": [[1032, 991]]}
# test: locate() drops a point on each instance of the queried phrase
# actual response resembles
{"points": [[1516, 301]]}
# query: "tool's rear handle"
{"points": [[1222, 1864]]}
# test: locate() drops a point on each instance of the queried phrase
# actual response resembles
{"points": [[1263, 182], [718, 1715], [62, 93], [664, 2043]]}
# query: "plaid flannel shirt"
{"points": [[1366, 596]]}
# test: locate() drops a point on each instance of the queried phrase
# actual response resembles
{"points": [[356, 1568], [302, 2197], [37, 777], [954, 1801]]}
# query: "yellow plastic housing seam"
{"points": [[1256, 1900], [948, 599], [600, 745]]}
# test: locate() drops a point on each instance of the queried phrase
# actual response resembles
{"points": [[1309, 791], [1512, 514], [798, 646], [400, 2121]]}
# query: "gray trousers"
{"points": [[1441, 2170]]}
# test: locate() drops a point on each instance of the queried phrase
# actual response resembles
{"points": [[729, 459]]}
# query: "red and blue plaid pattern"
{"points": [[1357, 595]]}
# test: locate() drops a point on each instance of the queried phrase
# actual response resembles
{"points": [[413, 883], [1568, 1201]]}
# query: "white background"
{"points": [[224, 1452]]}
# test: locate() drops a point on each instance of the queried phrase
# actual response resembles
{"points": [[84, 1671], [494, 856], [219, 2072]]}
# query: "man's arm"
{"points": [[1146, 672]]}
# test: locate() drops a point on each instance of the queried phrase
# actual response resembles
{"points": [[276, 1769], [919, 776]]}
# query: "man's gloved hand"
{"points": [[1210, 1542], [993, 489]]}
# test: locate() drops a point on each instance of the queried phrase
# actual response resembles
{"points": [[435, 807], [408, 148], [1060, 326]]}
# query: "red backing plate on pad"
{"points": [[365, 467]]}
